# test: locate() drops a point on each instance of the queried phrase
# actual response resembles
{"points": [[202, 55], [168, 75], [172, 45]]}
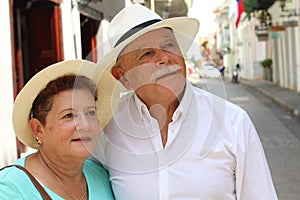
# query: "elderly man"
{"points": [[168, 139]]}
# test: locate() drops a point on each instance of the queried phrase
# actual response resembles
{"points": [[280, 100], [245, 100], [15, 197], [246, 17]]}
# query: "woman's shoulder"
{"points": [[94, 168], [98, 180], [11, 172], [12, 182]]}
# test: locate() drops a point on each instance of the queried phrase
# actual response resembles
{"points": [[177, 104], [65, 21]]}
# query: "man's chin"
{"points": [[170, 88]]}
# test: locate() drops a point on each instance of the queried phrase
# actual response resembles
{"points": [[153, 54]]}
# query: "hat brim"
{"points": [[184, 29], [107, 94]]}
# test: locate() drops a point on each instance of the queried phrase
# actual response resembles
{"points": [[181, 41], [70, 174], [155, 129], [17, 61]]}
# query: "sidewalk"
{"points": [[284, 97]]}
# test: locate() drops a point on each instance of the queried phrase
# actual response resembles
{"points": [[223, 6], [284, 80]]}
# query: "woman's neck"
{"points": [[65, 179]]}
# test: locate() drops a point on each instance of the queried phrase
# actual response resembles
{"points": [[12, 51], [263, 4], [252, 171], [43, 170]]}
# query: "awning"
{"points": [[265, 4], [88, 8]]}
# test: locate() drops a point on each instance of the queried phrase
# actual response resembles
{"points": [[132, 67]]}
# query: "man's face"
{"points": [[153, 65]]}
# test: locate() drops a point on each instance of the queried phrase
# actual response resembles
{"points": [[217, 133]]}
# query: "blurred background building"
{"points": [[265, 39]]}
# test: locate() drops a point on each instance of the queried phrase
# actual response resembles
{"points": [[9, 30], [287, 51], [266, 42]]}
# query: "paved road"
{"points": [[279, 132]]}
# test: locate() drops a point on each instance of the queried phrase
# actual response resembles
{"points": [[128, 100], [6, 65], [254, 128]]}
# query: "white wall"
{"points": [[103, 45], [250, 50], [298, 52], [71, 30], [109, 10], [8, 153], [286, 71]]}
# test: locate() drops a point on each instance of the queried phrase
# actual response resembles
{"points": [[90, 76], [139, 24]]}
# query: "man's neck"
{"points": [[162, 109]]}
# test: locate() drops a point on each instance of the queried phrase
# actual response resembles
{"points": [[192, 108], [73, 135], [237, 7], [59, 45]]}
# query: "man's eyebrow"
{"points": [[167, 38], [143, 48], [138, 51]]}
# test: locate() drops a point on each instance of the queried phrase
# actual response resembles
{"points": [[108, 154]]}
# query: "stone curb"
{"points": [[278, 101]]}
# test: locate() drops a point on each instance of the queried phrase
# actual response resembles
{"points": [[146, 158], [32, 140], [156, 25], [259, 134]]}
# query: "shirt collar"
{"points": [[184, 103], [141, 107]]}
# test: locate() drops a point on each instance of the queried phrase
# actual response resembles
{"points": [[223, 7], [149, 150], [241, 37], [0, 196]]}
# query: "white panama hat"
{"points": [[107, 94], [136, 20]]}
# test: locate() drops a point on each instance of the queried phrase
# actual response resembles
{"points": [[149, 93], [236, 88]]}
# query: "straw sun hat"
{"points": [[136, 20], [107, 86]]}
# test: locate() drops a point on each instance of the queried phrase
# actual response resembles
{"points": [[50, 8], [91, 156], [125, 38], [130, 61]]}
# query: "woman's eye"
{"points": [[91, 113], [172, 48], [69, 115], [169, 45]]}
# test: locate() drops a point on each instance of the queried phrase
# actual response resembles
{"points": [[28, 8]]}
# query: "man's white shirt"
{"points": [[213, 152]]}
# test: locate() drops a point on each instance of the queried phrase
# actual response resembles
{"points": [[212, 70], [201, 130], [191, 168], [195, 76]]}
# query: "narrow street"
{"points": [[278, 129]]}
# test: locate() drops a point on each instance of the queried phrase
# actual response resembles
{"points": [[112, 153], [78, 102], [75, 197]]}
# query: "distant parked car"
{"points": [[192, 73], [209, 71]]}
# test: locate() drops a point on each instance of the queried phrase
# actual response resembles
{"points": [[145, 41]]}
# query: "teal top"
{"points": [[15, 184]]}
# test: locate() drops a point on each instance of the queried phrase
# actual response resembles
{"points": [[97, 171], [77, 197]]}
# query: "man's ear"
{"points": [[119, 73]]}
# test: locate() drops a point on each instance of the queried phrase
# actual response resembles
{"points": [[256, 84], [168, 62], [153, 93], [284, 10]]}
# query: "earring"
{"points": [[38, 141]]}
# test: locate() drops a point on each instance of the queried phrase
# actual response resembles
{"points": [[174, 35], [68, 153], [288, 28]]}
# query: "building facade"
{"points": [[252, 43], [36, 34]]}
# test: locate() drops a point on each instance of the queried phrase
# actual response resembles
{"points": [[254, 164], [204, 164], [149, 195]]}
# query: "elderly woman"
{"points": [[60, 112]]}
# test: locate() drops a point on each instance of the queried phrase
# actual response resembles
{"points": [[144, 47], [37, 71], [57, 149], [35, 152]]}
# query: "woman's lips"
{"points": [[82, 139]]}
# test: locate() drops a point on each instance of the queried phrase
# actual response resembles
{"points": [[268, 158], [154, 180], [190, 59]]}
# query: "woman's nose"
{"points": [[82, 122]]}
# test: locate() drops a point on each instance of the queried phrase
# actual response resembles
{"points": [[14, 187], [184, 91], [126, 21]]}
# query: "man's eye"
{"points": [[145, 55]]}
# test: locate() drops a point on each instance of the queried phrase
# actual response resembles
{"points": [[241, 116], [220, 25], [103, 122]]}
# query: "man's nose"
{"points": [[162, 57]]}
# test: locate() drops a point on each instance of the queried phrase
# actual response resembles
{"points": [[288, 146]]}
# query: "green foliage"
{"points": [[250, 7], [266, 62], [226, 27]]}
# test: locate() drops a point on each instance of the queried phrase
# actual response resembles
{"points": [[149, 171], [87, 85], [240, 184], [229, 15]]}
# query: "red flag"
{"points": [[240, 10]]}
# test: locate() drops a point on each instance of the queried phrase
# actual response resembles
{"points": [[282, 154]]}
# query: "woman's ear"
{"points": [[36, 128], [119, 73]]}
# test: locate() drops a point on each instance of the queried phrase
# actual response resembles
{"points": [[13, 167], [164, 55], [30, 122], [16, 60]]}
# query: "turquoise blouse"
{"points": [[15, 184]]}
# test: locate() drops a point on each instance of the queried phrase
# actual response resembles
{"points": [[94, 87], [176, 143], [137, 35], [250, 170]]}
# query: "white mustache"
{"points": [[164, 71]]}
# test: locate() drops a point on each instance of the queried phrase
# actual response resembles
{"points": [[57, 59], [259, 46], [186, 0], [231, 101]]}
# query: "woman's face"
{"points": [[72, 126]]}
